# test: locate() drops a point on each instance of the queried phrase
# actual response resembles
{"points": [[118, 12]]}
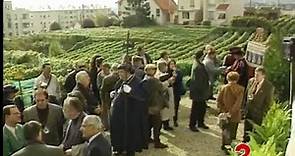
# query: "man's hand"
{"points": [[68, 152]]}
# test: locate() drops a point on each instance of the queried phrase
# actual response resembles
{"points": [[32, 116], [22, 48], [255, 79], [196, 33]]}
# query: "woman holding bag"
{"points": [[229, 101]]}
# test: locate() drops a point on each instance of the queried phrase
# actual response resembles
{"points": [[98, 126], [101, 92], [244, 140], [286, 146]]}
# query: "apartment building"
{"points": [[189, 11], [23, 22], [218, 12]]}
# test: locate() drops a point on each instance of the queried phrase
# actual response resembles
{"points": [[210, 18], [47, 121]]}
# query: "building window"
{"points": [[44, 16], [185, 15], [25, 16], [9, 25], [221, 16], [40, 16], [48, 15], [40, 22], [192, 3], [16, 25], [157, 12], [71, 12], [71, 17]]}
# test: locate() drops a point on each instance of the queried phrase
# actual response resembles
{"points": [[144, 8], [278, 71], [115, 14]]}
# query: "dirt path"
{"points": [[183, 142]]}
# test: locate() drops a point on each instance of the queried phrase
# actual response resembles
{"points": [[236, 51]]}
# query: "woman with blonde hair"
{"points": [[167, 81]]}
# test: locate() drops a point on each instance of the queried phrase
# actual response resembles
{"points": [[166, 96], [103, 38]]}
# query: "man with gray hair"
{"points": [[83, 92], [92, 129]]}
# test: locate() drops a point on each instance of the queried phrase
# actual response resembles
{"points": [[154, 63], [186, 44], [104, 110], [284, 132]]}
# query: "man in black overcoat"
{"points": [[129, 114]]}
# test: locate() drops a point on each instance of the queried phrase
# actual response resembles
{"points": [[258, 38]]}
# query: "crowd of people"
{"points": [[132, 101]]}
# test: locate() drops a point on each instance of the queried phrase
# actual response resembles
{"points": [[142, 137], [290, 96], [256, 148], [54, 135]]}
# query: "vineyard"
{"points": [[182, 42]]}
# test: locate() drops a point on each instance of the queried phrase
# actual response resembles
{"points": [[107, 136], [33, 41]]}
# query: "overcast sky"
{"points": [[55, 4]]}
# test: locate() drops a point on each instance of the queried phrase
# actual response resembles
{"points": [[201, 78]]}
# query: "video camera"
{"points": [[289, 48]]}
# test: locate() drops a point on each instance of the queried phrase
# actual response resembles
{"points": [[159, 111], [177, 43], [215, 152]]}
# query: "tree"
{"points": [[55, 48], [88, 23], [54, 26], [142, 13], [101, 20]]}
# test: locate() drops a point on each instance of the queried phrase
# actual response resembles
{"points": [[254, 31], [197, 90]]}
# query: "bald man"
{"points": [[92, 129]]}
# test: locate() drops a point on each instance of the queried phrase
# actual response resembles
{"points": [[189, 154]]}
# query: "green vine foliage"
{"points": [[277, 67]]}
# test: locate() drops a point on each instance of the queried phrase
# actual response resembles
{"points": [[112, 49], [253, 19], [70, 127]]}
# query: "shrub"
{"points": [[271, 138], [276, 125], [207, 23], [251, 22], [185, 67], [102, 20], [277, 68], [55, 49], [54, 26], [88, 23]]}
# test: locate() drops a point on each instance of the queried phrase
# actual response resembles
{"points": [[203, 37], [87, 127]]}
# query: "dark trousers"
{"points": [[248, 127], [229, 133], [155, 123], [198, 112], [176, 107]]}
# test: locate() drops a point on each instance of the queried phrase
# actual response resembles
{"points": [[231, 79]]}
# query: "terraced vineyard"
{"points": [[182, 42]]}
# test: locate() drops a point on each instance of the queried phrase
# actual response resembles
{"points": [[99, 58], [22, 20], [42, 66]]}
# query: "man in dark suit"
{"points": [[83, 92], [13, 137], [92, 129], [35, 145], [146, 57], [199, 93], [49, 115], [259, 98], [70, 81], [108, 84]]}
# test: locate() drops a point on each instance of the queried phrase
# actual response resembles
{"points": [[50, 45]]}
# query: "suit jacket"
{"points": [[54, 123], [260, 104], [108, 84], [154, 91], [199, 83], [10, 143], [230, 100], [99, 146], [89, 100], [38, 149]]}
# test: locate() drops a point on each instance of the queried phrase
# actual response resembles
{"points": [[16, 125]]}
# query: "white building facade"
{"points": [[218, 12], [23, 22], [162, 11]]}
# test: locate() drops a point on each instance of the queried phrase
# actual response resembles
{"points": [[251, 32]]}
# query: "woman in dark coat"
{"points": [[128, 114], [95, 67], [178, 87]]}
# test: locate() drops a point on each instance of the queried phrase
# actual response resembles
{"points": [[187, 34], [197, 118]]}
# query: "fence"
{"points": [[26, 88]]}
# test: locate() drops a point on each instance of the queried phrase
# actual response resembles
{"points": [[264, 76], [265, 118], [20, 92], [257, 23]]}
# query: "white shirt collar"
{"points": [[11, 129], [93, 137]]}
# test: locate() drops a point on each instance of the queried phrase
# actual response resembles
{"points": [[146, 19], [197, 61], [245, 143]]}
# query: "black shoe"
{"points": [[168, 128], [194, 129], [175, 124], [151, 140], [160, 145], [203, 126]]}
